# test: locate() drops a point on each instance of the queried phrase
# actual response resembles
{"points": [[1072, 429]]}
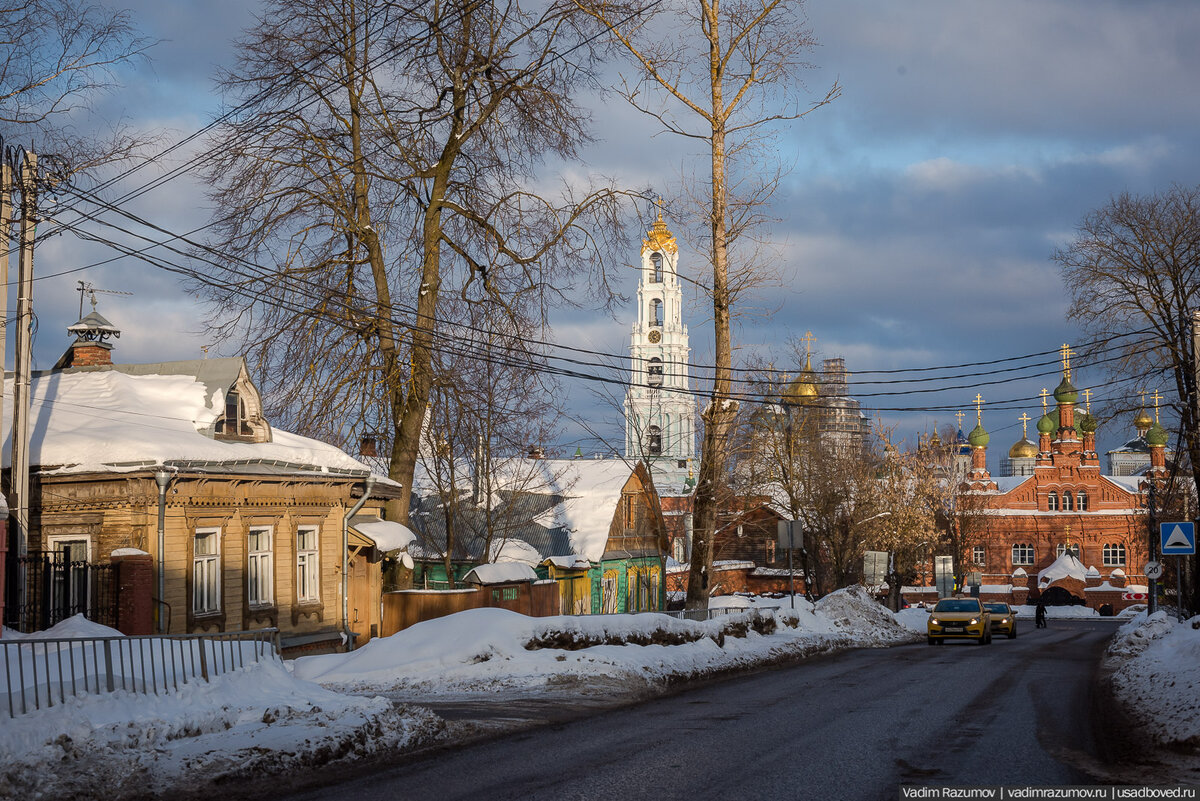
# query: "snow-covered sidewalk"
{"points": [[267, 718]]}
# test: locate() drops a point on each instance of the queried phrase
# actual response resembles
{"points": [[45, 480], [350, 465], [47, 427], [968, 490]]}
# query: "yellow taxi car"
{"points": [[959, 619], [1004, 619]]}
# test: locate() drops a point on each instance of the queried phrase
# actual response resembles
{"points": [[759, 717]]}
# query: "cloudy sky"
{"points": [[915, 227]]}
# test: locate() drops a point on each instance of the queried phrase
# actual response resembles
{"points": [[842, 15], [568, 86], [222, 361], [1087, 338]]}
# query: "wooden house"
{"points": [[247, 525], [593, 525]]}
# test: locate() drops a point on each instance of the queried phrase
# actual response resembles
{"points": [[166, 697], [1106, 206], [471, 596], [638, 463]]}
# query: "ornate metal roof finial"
{"points": [[978, 409]]}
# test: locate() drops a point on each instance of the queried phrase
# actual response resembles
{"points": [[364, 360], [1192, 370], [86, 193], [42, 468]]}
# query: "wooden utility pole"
{"points": [[24, 354], [5, 245]]}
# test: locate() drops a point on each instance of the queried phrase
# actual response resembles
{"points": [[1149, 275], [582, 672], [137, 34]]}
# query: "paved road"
{"points": [[849, 726]]}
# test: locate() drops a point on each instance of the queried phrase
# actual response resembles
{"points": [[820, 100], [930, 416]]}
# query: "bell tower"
{"points": [[660, 412]]}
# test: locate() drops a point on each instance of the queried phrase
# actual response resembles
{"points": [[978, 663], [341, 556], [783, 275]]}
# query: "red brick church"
{"points": [[1064, 531]]}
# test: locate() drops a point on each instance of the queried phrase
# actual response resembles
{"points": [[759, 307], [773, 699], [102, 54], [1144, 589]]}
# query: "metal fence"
{"points": [[55, 587], [39, 673]]}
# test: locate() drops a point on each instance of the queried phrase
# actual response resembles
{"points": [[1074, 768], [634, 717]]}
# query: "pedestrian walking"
{"points": [[1039, 616]]}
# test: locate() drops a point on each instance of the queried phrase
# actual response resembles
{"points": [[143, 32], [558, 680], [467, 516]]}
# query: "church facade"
{"points": [[1060, 530]]}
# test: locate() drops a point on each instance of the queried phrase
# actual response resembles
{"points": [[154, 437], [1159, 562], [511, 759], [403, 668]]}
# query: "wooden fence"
{"points": [[404, 608]]}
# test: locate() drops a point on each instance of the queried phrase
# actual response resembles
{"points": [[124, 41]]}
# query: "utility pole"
{"points": [[1152, 585], [6, 183], [24, 354]]}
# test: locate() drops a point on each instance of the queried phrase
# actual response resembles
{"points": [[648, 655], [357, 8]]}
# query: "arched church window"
{"points": [[654, 441], [1067, 547], [656, 312], [654, 372], [1068, 501], [1052, 502], [1114, 554], [1081, 501], [656, 260]]}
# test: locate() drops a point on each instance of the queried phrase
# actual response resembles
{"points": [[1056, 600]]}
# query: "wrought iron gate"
{"points": [[56, 588]]}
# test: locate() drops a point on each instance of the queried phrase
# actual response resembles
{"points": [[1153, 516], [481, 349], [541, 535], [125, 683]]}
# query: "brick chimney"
{"points": [[90, 348]]}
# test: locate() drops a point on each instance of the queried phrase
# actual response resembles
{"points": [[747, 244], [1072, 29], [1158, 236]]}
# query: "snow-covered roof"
{"points": [[111, 421], [1065, 566], [571, 562], [1010, 483], [515, 550], [387, 535], [503, 573]]}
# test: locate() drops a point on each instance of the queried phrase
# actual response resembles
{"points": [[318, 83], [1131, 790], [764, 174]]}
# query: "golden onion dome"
{"points": [[1023, 449], [803, 386], [1143, 421]]}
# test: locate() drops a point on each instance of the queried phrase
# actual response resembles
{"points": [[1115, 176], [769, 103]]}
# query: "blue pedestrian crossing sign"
{"points": [[1177, 539]]}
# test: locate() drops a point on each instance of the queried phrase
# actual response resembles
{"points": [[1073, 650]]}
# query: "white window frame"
{"points": [[1052, 501], [260, 568], [979, 555], [206, 574], [1063, 547], [1023, 554], [1114, 554], [1081, 501], [308, 566]]}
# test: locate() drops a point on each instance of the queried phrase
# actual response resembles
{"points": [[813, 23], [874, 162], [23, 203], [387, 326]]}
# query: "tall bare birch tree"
{"points": [[383, 160], [724, 74]]}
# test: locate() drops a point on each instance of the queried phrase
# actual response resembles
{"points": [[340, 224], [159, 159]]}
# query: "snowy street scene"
{"points": [[712, 400]]}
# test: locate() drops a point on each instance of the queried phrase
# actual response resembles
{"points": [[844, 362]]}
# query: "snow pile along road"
{"points": [[1155, 666], [494, 649], [247, 723]]}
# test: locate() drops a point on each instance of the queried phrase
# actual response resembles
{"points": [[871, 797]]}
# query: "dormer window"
{"points": [[656, 262], [234, 423]]}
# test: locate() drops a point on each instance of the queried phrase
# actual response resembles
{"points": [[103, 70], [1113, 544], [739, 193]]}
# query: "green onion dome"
{"points": [[979, 438], [1066, 392], [1088, 424], [1156, 436], [1047, 424]]}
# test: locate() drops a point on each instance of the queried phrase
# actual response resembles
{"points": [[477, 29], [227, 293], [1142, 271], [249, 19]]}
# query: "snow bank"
{"points": [[247, 723], [1155, 664], [482, 650]]}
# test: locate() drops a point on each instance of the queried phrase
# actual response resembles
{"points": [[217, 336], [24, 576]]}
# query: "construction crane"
{"points": [[91, 291]]}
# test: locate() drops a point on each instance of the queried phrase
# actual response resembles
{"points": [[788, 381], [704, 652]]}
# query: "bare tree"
{"points": [[383, 162], [729, 70], [56, 57], [1133, 271]]}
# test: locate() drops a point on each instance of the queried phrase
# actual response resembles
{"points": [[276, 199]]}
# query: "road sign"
{"points": [[1153, 570], [791, 535], [1134, 596], [875, 565], [1178, 539]]}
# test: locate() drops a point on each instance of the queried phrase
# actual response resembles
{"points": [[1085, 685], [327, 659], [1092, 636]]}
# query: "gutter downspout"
{"points": [[162, 478], [370, 484]]}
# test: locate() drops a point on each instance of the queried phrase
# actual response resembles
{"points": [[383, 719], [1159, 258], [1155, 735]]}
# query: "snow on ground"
{"points": [[255, 720], [268, 719], [495, 649], [1155, 664]]}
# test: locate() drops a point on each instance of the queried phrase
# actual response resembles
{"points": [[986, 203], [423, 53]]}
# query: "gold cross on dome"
{"points": [[960, 416], [978, 409], [1067, 353], [1024, 418], [1045, 392], [1156, 397], [1087, 401], [808, 339]]}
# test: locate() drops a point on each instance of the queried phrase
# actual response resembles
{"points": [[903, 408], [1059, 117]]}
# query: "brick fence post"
{"points": [[135, 591]]}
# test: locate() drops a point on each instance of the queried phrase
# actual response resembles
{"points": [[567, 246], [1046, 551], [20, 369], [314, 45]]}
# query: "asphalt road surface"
{"points": [[854, 725]]}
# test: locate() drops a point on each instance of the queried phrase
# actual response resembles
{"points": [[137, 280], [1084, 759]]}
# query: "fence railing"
{"points": [[47, 587], [39, 673]]}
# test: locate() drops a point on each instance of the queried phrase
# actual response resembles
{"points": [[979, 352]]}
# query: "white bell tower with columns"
{"points": [[660, 411]]}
